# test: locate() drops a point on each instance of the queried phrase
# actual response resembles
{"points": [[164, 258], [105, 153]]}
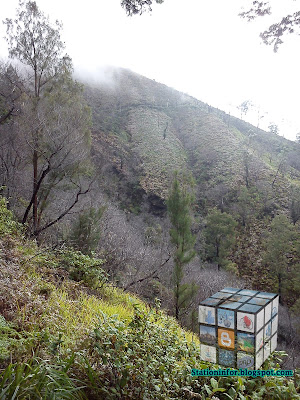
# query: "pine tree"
{"points": [[279, 246], [220, 236], [85, 234], [179, 206]]}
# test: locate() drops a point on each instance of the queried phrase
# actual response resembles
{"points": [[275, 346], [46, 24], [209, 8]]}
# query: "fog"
{"points": [[201, 48]]}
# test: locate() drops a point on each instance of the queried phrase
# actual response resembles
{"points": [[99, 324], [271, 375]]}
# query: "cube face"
{"points": [[238, 328]]}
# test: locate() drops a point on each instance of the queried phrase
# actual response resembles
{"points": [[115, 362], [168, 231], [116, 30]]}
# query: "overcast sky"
{"points": [[199, 47]]}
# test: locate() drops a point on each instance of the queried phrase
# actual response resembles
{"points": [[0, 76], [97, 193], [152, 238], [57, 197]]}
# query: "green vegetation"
{"points": [[96, 343], [282, 242], [85, 233], [220, 236], [179, 208]]}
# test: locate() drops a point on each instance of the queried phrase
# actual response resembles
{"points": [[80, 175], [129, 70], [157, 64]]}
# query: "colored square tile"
{"points": [[240, 298], [226, 338], [245, 342], [273, 342], [211, 302], [226, 318], [267, 332], [259, 358], [208, 353], [274, 323], [207, 315], [233, 305], [245, 322], [208, 334], [268, 309], [221, 295], [245, 360], [275, 305], [230, 290], [259, 340], [266, 295], [260, 320], [247, 292], [258, 301], [250, 308], [227, 358]]}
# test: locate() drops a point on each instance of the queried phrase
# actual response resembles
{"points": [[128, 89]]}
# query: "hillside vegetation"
{"points": [[66, 333]]}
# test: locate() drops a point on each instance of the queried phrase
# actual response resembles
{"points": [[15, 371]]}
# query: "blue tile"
{"points": [[221, 295], [266, 295], [230, 290], [211, 301], [226, 318], [250, 308], [247, 292], [259, 301], [233, 305], [240, 298]]}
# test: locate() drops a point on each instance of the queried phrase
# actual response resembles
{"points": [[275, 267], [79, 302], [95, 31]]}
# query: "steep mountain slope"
{"points": [[143, 131], [149, 130]]}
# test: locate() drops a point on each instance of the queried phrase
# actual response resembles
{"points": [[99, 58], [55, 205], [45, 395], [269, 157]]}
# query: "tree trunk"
{"points": [[279, 287], [35, 183]]}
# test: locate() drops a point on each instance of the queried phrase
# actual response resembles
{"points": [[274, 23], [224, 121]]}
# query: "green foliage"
{"points": [[146, 359], [247, 206], [85, 233], [124, 349], [220, 236], [280, 244], [179, 208], [83, 267], [295, 205], [38, 379], [8, 225]]}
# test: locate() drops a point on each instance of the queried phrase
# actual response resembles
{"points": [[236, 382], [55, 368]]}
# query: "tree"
{"points": [[295, 205], [56, 119], [279, 246], [85, 233], [220, 236], [275, 33], [133, 7], [273, 128], [179, 206], [244, 107], [247, 204], [11, 89]]}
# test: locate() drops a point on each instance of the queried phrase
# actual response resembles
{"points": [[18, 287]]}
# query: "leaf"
{"points": [[214, 383]]}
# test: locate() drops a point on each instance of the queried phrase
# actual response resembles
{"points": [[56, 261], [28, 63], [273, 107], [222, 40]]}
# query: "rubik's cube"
{"points": [[238, 327]]}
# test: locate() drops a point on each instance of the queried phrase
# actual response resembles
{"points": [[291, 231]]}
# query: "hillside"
{"points": [[66, 333], [143, 131], [149, 130]]}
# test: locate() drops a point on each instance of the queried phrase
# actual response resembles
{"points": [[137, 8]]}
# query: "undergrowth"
{"points": [[65, 333]]}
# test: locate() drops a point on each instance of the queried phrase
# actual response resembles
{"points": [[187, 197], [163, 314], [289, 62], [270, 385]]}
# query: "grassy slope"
{"points": [[95, 336]]}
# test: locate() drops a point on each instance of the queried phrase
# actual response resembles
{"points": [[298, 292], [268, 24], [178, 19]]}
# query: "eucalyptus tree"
{"points": [[55, 120]]}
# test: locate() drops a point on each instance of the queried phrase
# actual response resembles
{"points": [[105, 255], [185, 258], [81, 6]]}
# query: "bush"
{"points": [[8, 226], [83, 268]]}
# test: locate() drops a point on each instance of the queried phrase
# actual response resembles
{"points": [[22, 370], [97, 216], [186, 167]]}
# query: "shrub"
{"points": [[8, 225], [83, 268]]}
